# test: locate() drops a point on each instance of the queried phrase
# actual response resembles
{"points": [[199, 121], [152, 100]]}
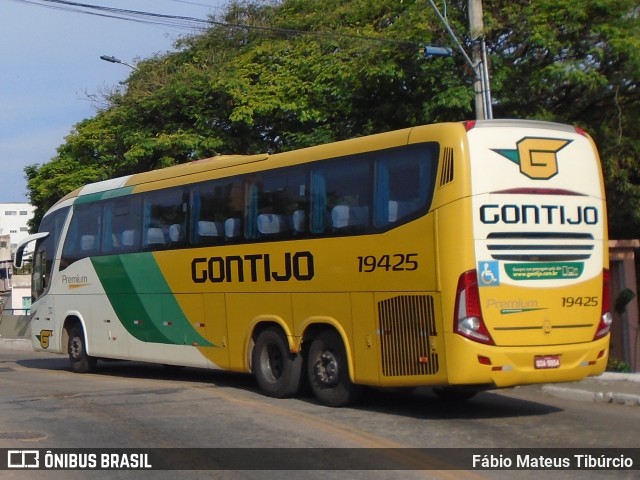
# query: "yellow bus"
{"points": [[461, 256]]}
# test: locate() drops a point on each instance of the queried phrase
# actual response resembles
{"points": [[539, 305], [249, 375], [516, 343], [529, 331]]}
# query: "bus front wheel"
{"points": [[80, 361], [328, 371], [277, 371]]}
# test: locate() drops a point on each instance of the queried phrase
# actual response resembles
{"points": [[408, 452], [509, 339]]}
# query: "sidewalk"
{"points": [[620, 388]]}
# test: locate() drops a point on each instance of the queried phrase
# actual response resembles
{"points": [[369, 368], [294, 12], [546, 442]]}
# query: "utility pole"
{"points": [[479, 57], [478, 64]]}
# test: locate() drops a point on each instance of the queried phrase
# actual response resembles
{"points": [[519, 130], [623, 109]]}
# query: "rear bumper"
{"points": [[471, 363]]}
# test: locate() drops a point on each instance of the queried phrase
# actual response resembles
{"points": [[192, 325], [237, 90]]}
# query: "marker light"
{"points": [[606, 319]]}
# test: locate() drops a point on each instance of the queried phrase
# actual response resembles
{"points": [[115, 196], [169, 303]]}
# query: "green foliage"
{"points": [[306, 72], [619, 366]]}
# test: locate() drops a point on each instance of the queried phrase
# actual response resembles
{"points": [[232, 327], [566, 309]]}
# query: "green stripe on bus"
{"points": [[94, 197], [143, 301]]}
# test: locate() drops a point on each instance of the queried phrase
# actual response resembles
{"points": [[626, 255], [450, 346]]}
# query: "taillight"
{"points": [[606, 318], [469, 124], [581, 132], [468, 320]]}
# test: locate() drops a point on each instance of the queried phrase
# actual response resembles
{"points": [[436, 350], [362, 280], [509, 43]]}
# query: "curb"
{"points": [[15, 344], [629, 377], [593, 397]]}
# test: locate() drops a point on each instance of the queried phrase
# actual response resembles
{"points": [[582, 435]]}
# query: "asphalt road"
{"points": [[139, 406]]}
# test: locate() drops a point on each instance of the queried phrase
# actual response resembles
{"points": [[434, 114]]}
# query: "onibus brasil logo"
{"points": [[537, 157]]}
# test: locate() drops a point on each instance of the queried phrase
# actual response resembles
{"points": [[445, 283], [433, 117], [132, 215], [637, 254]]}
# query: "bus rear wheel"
{"points": [[80, 361], [277, 371], [328, 371]]}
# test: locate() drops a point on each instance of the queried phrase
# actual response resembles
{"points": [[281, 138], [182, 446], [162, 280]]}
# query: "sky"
{"points": [[50, 65]]}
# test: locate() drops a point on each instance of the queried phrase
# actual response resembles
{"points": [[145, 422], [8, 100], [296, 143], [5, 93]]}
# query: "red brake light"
{"points": [[581, 132], [606, 318], [467, 319], [468, 125]]}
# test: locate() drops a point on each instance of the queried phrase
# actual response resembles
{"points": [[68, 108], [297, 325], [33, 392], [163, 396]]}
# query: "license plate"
{"points": [[547, 361]]}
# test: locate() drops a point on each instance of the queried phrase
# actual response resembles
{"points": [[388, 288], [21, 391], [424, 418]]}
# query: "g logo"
{"points": [[44, 338], [537, 157]]}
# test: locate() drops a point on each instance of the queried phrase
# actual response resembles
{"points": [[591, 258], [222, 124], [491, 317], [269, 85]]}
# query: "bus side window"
{"points": [[276, 204], [296, 200], [340, 197], [215, 211], [122, 224], [45, 251], [164, 219], [84, 233], [207, 220], [404, 183], [348, 195], [318, 202], [234, 202]]}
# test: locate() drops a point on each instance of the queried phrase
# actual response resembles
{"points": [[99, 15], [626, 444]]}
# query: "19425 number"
{"points": [[397, 262], [580, 301]]}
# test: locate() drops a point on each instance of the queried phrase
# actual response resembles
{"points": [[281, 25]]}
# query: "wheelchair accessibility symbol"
{"points": [[489, 273]]}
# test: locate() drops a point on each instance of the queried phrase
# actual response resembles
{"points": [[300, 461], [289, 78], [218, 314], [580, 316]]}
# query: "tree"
{"points": [[285, 75]]}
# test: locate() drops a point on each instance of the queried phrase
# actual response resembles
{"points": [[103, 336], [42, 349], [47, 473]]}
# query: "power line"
{"points": [[175, 21], [178, 21], [194, 3]]}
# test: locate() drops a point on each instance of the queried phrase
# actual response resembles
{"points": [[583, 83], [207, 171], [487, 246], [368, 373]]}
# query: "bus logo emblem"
{"points": [[536, 157], [44, 338]]}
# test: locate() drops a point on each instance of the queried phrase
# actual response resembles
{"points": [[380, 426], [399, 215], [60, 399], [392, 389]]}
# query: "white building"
{"points": [[14, 218], [20, 295], [14, 227], [5, 263]]}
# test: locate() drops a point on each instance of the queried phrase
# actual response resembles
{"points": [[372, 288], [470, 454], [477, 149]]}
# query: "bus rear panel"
{"points": [[534, 307]]}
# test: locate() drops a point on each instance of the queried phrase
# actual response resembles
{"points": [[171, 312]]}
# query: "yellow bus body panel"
{"points": [[511, 366]]}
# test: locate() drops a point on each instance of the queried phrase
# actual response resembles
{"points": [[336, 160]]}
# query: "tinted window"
{"points": [[340, 196], [45, 251], [276, 204], [122, 225], [164, 219], [83, 236], [404, 183], [216, 212]]}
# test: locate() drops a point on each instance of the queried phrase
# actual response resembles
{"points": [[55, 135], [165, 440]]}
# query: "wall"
{"points": [[625, 339]]}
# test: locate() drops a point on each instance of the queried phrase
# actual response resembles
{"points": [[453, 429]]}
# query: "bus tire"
{"points": [[80, 362], [328, 371], [277, 371]]}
